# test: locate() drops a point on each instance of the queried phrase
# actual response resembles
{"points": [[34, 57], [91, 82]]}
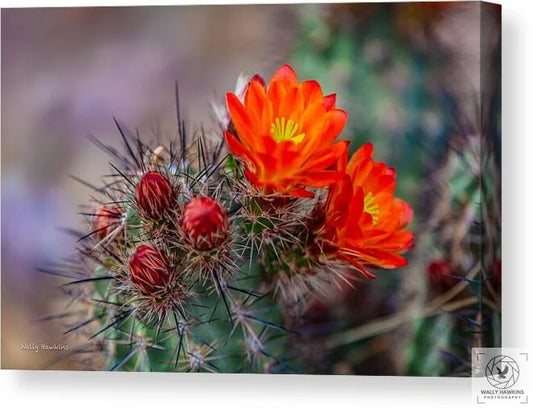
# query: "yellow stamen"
{"points": [[371, 207], [286, 131]]}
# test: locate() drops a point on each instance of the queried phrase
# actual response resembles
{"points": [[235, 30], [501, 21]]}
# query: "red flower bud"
{"points": [[106, 219], [204, 223], [149, 269], [440, 275], [154, 194]]}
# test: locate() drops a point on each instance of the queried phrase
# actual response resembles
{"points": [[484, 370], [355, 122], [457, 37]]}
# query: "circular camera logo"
{"points": [[502, 372]]}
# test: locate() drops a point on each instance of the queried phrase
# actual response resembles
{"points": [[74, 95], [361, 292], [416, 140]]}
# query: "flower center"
{"points": [[283, 130], [371, 207]]}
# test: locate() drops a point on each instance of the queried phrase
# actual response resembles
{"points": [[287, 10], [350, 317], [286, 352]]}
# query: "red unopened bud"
{"points": [[440, 275], [106, 219], [149, 269], [154, 194], [204, 223]]}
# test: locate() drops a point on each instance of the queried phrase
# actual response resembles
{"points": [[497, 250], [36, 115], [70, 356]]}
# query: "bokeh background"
{"points": [[418, 80]]}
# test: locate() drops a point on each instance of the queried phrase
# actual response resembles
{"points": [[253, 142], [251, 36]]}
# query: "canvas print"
{"points": [[303, 189]]}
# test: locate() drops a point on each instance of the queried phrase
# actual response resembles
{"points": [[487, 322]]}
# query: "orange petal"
{"points": [[400, 241], [356, 205], [276, 94], [251, 177], [339, 195], [311, 91], [240, 119], [254, 101], [359, 170], [365, 151], [329, 102], [312, 120], [356, 263], [321, 178], [327, 157], [235, 146], [292, 105], [286, 76], [299, 192], [405, 211], [257, 78], [382, 259], [335, 121]]}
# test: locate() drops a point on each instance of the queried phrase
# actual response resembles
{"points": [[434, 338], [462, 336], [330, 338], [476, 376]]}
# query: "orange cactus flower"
{"points": [[285, 134], [364, 221]]}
